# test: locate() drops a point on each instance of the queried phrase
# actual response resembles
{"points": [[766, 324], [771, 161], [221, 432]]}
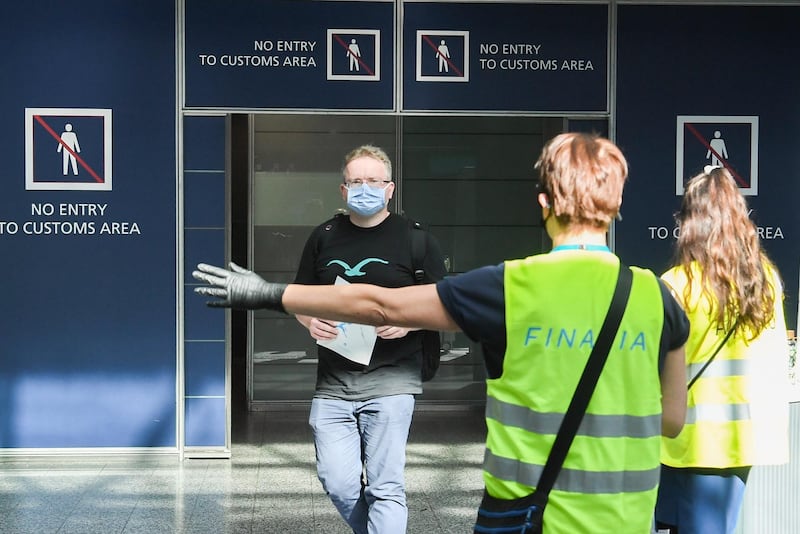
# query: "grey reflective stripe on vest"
{"points": [[719, 369], [599, 426], [717, 413], [570, 479]]}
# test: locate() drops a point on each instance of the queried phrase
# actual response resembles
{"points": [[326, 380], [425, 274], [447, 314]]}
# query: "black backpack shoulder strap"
{"points": [[418, 237], [328, 228], [334, 221]]}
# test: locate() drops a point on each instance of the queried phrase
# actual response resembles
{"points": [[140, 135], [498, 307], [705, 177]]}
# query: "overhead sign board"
{"points": [[286, 54], [514, 57]]}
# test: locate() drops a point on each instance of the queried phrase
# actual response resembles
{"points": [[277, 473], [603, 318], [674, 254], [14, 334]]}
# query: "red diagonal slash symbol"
{"points": [[742, 182], [436, 49], [351, 54], [57, 137]]}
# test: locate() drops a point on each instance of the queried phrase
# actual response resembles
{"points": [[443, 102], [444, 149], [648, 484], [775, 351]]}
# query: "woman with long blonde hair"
{"points": [[736, 360]]}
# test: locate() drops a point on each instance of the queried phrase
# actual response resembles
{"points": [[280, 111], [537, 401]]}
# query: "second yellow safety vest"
{"points": [[738, 410]]}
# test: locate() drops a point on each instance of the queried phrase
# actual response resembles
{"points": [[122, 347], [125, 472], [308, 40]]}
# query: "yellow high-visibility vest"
{"points": [[555, 306], [738, 410]]}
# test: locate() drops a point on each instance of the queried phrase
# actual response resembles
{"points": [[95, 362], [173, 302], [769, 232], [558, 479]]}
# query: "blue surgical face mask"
{"points": [[366, 200]]}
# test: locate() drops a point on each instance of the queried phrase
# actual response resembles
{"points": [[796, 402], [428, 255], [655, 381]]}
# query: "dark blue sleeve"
{"points": [[476, 302], [676, 325]]}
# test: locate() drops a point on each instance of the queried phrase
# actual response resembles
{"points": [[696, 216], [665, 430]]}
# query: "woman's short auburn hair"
{"points": [[583, 176]]}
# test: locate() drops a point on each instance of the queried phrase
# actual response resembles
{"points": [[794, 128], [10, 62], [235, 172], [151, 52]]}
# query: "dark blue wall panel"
{"points": [[203, 245], [718, 61], [89, 343], [201, 143], [205, 422], [202, 322], [204, 199], [205, 364], [205, 369]]}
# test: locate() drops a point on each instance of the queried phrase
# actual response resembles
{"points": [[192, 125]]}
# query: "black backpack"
{"points": [[431, 343]]}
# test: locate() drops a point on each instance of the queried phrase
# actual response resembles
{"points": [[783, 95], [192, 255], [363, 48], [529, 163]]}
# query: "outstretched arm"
{"points": [[416, 306]]}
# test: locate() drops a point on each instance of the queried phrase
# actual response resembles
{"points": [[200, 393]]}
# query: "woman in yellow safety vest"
{"points": [[736, 361]]}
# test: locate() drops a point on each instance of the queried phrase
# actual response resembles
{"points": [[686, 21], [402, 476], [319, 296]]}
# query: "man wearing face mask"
{"points": [[361, 414]]}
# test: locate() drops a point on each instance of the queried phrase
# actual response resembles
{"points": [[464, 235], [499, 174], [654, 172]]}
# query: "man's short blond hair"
{"points": [[369, 151]]}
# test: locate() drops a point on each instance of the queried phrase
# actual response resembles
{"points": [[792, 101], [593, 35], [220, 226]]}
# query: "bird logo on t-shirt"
{"points": [[356, 269]]}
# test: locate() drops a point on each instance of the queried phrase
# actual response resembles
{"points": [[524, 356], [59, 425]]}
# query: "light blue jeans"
{"points": [[701, 501], [361, 456]]}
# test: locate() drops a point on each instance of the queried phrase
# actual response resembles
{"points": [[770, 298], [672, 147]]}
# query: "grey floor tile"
{"points": [[14, 523], [268, 486], [94, 524]]}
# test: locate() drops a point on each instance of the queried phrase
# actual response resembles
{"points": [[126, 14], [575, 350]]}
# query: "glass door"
{"points": [[470, 179]]}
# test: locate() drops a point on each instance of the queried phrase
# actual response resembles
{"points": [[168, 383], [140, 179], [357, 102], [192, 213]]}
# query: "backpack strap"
{"points": [[418, 251], [327, 230]]}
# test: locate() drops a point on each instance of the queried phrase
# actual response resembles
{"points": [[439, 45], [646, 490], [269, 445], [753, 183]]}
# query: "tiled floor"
{"points": [[268, 486]]}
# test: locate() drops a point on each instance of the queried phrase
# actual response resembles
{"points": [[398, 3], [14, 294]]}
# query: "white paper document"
{"points": [[354, 341]]}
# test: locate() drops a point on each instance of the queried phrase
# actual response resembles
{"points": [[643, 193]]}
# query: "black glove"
{"points": [[238, 288]]}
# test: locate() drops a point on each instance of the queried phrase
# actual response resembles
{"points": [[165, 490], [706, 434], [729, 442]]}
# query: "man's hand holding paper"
{"points": [[353, 341]]}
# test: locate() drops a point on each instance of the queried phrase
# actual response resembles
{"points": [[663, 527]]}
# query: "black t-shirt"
{"points": [[379, 255]]}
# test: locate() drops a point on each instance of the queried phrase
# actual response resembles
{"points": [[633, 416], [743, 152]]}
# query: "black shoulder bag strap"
{"points": [[583, 393], [714, 355]]}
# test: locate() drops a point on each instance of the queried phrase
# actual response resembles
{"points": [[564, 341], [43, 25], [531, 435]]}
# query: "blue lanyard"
{"points": [[593, 248]]}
